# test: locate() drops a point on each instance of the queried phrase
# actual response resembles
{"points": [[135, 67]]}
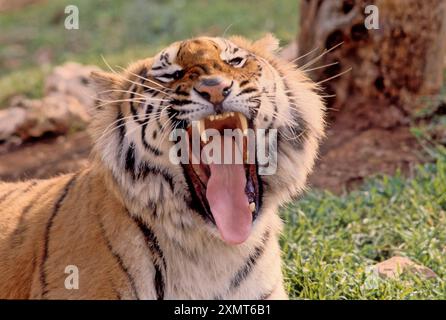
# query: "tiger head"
{"points": [[202, 88]]}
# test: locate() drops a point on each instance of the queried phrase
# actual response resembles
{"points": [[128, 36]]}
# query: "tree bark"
{"points": [[396, 70]]}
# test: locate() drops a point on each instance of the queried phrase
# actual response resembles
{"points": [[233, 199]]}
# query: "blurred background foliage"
{"points": [[34, 38]]}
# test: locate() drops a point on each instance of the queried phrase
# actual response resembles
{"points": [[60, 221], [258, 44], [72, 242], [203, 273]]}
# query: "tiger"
{"points": [[134, 224]]}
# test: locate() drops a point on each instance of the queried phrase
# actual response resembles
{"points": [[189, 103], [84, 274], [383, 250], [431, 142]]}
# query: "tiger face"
{"points": [[201, 85]]}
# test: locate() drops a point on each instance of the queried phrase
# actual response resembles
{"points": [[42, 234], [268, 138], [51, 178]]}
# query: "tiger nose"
{"points": [[214, 90]]}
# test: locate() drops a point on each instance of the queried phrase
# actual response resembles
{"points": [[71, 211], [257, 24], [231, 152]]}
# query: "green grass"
{"points": [[122, 31], [329, 241]]}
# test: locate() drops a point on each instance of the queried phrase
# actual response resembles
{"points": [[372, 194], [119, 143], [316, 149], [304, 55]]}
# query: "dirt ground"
{"points": [[347, 156], [46, 158]]}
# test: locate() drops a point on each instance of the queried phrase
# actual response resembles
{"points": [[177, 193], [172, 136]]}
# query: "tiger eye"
{"points": [[193, 76]]}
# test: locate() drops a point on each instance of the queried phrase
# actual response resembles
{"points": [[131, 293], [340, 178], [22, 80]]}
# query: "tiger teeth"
{"points": [[202, 131], [202, 123], [226, 115], [221, 116], [252, 207], [244, 123]]}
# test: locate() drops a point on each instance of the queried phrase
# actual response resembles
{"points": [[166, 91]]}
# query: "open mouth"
{"points": [[228, 193]]}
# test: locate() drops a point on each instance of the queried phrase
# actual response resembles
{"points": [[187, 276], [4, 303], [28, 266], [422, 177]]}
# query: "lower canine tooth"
{"points": [[252, 206]]}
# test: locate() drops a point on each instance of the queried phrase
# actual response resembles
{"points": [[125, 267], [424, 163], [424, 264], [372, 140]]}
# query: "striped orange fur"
{"points": [[129, 222]]}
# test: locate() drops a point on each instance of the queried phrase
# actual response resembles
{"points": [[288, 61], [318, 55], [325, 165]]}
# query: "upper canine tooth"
{"points": [[201, 126], [243, 122], [202, 130], [203, 134]]}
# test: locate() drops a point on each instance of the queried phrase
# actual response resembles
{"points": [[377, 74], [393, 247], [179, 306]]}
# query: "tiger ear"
{"points": [[104, 84], [268, 42]]}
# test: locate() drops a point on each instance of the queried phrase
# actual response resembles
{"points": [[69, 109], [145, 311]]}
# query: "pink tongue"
{"points": [[228, 201]]}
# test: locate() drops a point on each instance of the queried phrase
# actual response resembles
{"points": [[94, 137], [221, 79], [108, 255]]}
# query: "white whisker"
{"points": [[321, 67], [304, 55], [313, 61], [335, 76], [143, 78]]}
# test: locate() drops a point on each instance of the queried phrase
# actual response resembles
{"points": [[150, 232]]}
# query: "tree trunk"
{"points": [[396, 69]]}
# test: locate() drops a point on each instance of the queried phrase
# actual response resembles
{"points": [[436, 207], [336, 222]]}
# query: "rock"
{"points": [[32, 118], [72, 79], [10, 120], [395, 266], [68, 103]]}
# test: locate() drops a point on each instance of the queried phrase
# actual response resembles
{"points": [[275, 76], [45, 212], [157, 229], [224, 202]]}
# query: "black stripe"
{"points": [[115, 291], [244, 83], [10, 192], [118, 295], [244, 272], [254, 110], [143, 74], [132, 106], [301, 129], [265, 296], [157, 253], [179, 102], [274, 102], [120, 124], [165, 58], [22, 192], [157, 152], [119, 260], [149, 110], [173, 114], [205, 68], [159, 283], [147, 145], [179, 53], [146, 168], [246, 91], [6, 195], [49, 224], [29, 187], [180, 92], [151, 91], [18, 234], [130, 160]]}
